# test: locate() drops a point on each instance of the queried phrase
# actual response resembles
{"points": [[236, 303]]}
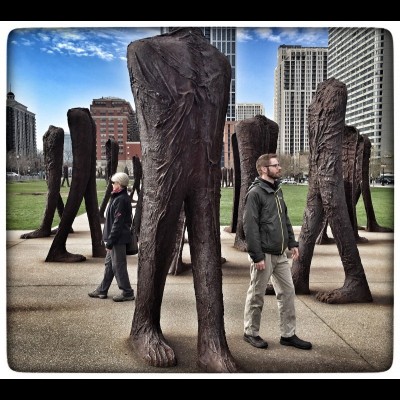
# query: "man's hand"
{"points": [[260, 265], [295, 253]]}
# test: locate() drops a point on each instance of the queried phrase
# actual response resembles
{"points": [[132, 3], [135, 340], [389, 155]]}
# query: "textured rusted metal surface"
{"points": [[180, 84], [53, 149], [326, 197], [112, 151], [255, 136], [356, 153], [83, 185]]}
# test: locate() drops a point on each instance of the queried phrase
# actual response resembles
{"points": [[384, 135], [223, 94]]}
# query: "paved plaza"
{"points": [[54, 329]]}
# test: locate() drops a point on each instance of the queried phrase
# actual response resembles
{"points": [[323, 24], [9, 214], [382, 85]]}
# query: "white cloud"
{"points": [[243, 35], [267, 34], [107, 44], [303, 36]]}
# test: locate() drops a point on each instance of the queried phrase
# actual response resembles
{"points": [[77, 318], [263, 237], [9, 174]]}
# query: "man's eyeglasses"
{"points": [[273, 165]]}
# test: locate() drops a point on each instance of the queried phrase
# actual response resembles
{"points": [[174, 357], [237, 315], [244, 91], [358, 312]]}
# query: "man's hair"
{"points": [[263, 161]]}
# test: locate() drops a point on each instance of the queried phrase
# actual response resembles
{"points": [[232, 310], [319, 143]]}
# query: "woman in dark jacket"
{"points": [[116, 235]]}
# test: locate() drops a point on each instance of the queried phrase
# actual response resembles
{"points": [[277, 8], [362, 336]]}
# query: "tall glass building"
{"points": [[362, 58], [297, 74]]}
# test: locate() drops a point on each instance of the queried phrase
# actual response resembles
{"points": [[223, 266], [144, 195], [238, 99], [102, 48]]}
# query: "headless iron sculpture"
{"points": [[326, 197], [180, 83], [83, 185]]}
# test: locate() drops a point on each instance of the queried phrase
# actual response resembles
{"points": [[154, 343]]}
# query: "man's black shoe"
{"points": [[295, 342], [255, 341]]}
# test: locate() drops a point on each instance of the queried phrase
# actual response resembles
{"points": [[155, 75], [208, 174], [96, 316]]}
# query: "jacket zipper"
{"points": [[280, 216]]}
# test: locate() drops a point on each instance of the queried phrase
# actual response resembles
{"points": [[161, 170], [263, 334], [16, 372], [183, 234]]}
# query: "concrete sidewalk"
{"points": [[54, 327]]}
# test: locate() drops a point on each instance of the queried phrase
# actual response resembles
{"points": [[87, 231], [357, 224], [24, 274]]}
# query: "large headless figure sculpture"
{"points": [[83, 184], [255, 136], [53, 149], [326, 197], [180, 84], [112, 151], [356, 153]]}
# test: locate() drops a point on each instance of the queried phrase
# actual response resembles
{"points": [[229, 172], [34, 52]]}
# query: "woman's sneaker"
{"points": [[121, 297], [97, 294]]}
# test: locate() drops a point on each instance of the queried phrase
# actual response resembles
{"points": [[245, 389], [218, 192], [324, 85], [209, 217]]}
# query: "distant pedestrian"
{"points": [[65, 175], [269, 232], [116, 235]]}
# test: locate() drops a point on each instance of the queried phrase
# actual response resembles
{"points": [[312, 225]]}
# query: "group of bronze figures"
{"points": [[180, 84]]}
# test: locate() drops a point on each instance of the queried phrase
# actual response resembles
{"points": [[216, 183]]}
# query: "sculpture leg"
{"points": [[161, 214], [355, 288], [323, 237], [53, 145], [177, 266], [92, 209], [205, 248], [82, 140], [312, 225], [181, 88]]}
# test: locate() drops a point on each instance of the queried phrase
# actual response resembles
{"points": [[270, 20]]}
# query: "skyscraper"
{"points": [[362, 58], [297, 74]]}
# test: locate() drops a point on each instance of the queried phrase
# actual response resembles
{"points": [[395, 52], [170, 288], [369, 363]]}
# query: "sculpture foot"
{"points": [[210, 361], [326, 240], [240, 245], [360, 239], [377, 228], [39, 233], [269, 290], [65, 257], [181, 267], [354, 291], [153, 348], [223, 260], [54, 231]]}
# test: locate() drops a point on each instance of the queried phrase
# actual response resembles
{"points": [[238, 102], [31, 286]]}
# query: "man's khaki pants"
{"points": [[277, 268]]}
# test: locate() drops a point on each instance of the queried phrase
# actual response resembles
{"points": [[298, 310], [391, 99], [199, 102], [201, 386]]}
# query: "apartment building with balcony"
{"points": [[362, 58]]}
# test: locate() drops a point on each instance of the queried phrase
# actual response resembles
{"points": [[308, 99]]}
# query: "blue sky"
{"points": [[51, 70]]}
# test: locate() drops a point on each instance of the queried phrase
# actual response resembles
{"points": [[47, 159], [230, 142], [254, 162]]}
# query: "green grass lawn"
{"points": [[26, 202], [296, 197]]}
